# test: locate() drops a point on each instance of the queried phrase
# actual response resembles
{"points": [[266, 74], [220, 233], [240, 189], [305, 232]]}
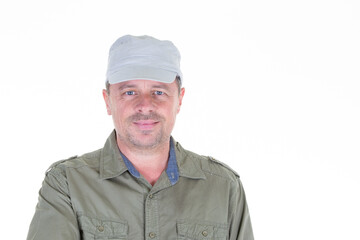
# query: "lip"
{"points": [[145, 124]]}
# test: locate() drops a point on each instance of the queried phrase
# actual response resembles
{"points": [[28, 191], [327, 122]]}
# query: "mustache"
{"points": [[139, 116]]}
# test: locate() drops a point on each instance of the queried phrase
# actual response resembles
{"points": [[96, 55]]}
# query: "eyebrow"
{"points": [[163, 86], [126, 86]]}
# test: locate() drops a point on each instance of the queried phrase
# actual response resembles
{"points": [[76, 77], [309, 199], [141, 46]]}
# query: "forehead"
{"points": [[143, 84]]}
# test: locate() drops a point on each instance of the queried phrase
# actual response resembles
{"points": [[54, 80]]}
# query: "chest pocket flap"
{"points": [[94, 228], [201, 231]]}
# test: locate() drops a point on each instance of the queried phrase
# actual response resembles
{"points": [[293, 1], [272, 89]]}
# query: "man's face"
{"points": [[143, 111]]}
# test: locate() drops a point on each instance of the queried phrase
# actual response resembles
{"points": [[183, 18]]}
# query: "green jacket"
{"points": [[95, 197]]}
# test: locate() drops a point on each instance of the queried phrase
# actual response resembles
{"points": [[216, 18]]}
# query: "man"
{"points": [[142, 184]]}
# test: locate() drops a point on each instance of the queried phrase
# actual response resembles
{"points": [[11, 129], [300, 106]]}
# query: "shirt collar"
{"points": [[113, 164], [190, 164]]}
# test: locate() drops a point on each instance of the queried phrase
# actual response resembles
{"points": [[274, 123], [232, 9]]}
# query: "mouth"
{"points": [[145, 124]]}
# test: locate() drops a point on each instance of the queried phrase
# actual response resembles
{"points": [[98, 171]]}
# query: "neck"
{"points": [[149, 162]]}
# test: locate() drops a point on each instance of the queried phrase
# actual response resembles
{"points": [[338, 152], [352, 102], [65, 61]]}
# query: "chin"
{"points": [[146, 141]]}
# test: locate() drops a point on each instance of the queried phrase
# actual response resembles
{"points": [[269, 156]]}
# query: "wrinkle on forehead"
{"points": [[144, 83]]}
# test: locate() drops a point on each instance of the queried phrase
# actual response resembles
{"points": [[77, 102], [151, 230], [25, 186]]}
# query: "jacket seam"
{"points": [[218, 175]]}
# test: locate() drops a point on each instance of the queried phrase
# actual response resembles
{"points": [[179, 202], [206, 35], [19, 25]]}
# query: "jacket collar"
{"points": [[112, 164]]}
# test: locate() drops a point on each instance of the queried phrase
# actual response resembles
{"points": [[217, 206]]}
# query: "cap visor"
{"points": [[142, 73]]}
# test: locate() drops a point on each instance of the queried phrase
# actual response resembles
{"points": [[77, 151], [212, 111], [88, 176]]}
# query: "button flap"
{"points": [[101, 227], [195, 230], [201, 230]]}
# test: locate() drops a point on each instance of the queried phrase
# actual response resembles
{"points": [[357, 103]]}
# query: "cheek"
{"points": [[177, 108], [173, 113], [170, 110], [117, 113]]}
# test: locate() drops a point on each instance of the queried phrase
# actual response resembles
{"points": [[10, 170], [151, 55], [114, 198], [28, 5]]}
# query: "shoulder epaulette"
{"points": [[224, 165], [59, 162]]}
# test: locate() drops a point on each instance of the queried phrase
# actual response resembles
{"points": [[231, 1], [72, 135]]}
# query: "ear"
{"points": [[181, 95], [107, 101]]}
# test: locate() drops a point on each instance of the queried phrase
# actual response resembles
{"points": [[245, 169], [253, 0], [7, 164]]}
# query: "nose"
{"points": [[145, 104]]}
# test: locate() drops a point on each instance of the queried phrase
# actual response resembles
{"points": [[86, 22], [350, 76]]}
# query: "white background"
{"points": [[272, 89]]}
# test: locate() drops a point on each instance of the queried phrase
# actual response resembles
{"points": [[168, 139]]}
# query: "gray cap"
{"points": [[143, 57]]}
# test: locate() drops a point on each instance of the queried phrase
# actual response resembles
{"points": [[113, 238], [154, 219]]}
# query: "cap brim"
{"points": [[142, 73]]}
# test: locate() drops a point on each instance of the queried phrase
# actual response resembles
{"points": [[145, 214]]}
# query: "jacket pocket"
{"points": [[197, 230], [101, 229]]}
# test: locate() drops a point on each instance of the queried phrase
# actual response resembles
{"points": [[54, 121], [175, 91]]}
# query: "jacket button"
{"points": [[152, 235], [100, 228], [204, 233]]}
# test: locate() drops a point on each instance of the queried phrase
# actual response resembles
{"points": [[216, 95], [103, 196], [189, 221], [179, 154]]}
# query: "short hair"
{"points": [[177, 79]]}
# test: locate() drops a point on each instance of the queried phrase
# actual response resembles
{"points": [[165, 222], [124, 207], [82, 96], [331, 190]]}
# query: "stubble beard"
{"points": [[146, 139]]}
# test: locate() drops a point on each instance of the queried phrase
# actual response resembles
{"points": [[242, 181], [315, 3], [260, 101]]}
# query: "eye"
{"points": [[130, 93], [159, 93]]}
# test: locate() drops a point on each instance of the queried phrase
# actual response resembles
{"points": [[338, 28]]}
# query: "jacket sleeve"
{"points": [[240, 224], [54, 216]]}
